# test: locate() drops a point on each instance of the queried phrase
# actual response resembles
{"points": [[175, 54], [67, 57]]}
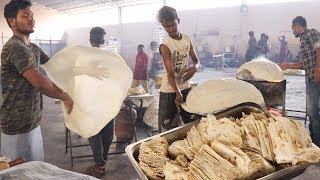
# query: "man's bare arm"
{"points": [[46, 87]]}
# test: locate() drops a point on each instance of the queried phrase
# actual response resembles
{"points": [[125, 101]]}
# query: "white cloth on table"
{"points": [[28, 145], [40, 170]]}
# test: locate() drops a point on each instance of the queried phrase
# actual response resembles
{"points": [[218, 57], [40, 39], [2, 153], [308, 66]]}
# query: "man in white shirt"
{"points": [[175, 50]]}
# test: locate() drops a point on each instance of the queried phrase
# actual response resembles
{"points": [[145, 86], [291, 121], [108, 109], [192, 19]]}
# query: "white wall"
{"points": [[272, 19], [49, 23]]}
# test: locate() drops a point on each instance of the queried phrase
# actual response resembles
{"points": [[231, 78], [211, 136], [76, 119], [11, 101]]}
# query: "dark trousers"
{"points": [[168, 110], [100, 144]]}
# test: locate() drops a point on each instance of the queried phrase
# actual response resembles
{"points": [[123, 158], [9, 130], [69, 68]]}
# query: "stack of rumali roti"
{"points": [[97, 81], [247, 148]]}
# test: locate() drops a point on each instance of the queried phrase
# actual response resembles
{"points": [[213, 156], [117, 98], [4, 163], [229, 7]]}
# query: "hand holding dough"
{"points": [[96, 80]]}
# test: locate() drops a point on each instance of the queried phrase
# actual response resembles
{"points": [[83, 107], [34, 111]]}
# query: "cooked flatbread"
{"points": [[223, 129], [237, 160], [219, 94], [153, 156], [183, 161], [174, 172], [208, 165], [258, 166], [178, 148]]}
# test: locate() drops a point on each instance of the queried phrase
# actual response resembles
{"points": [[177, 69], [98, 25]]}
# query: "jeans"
{"points": [[313, 93], [100, 144]]}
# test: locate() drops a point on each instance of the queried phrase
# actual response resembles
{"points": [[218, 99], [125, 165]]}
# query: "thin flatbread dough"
{"points": [[96, 101], [260, 69], [219, 94]]}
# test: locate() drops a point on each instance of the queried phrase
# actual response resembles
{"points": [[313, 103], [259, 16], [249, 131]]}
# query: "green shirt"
{"points": [[21, 109]]}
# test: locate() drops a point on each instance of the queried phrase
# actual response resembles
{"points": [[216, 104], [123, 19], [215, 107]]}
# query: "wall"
{"points": [[232, 25], [49, 23]]}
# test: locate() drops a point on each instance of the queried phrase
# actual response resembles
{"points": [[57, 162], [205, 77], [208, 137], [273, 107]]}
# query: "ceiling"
{"points": [[73, 6]]}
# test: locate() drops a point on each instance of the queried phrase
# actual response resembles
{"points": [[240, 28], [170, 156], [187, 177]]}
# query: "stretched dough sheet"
{"points": [[96, 101], [219, 94], [260, 69]]}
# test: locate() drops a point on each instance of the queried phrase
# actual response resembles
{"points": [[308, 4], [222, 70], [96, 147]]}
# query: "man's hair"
{"points": [[251, 33], [299, 20], [12, 8], [140, 46], [167, 14], [97, 35], [153, 43]]}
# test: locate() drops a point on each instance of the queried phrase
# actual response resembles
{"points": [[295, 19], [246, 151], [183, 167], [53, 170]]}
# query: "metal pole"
{"points": [[50, 47]]}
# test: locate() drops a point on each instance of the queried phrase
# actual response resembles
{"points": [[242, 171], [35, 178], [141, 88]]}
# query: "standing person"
{"points": [[283, 49], [156, 65], [262, 45], [140, 75], [310, 62], [175, 49], [101, 142], [289, 56], [23, 86], [252, 47], [267, 46]]}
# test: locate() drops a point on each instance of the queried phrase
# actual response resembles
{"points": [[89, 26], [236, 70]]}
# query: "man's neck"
{"points": [[24, 37], [177, 37]]}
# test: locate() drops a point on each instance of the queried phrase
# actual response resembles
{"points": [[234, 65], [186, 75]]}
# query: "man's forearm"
{"points": [[51, 90], [173, 83], [295, 66]]}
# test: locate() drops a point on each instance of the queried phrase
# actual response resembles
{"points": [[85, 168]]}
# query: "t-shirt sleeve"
{"points": [[22, 59], [43, 57], [314, 38]]}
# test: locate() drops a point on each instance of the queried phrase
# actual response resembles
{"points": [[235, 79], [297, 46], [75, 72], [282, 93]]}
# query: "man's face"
{"points": [[140, 49], [296, 30], [24, 22], [171, 27], [154, 47]]}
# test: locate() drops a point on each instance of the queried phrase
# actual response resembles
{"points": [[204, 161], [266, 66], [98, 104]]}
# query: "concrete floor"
{"points": [[119, 166]]}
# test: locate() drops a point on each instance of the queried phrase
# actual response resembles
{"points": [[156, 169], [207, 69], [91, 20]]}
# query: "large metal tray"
{"points": [[181, 132]]}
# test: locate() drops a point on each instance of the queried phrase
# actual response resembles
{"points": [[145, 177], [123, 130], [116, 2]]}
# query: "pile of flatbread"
{"points": [[279, 140], [136, 91], [245, 148], [153, 155], [260, 69]]}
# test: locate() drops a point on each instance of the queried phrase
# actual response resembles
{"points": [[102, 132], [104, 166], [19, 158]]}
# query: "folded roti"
{"points": [[240, 159], [224, 130], [96, 101]]}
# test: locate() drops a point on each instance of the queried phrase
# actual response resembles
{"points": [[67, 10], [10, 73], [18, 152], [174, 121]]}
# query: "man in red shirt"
{"points": [[140, 75]]}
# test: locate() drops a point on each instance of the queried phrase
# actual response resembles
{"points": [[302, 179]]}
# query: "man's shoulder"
{"points": [[312, 32]]}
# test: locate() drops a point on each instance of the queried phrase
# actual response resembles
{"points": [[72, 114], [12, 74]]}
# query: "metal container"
{"points": [[181, 132], [274, 93]]}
